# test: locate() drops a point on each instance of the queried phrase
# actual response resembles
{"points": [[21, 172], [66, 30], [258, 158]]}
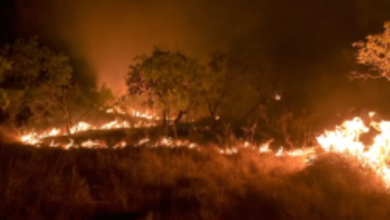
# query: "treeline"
{"points": [[227, 87], [38, 84]]}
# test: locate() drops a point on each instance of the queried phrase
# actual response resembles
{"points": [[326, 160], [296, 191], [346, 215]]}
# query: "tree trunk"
{"points": [[213, 121], [211, 109], [68, 118], [178, 118], [164, 121], [253, 109], [174, 129], [176, 121], [85, 113], [65, 108]]}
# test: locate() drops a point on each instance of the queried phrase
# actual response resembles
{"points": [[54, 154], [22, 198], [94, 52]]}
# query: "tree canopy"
{"points": [[39, 81], [167, 78], [375, 53], [4, 66], [176, 83], [222, 77]]}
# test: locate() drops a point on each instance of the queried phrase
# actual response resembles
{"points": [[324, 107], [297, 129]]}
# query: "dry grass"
{"points": [[184, 184]]}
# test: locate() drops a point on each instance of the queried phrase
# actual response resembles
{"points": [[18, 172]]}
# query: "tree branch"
{"points": [[364, 76]]}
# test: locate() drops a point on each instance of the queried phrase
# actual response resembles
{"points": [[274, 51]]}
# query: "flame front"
{"points": [[345, 139]]}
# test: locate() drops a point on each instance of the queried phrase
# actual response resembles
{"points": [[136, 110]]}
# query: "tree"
{"points": [[40, 80], [4, 66], [96, 99], [222, 75], [267, 89], [103, 95], [374, 52], [168, 81]]}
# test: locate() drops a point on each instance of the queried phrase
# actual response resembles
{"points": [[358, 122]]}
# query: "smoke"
{"points": [[301, 40], [108, 34]]}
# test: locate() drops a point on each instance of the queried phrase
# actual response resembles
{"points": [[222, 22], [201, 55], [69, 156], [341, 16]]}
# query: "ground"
{"points": [[181, 183]]}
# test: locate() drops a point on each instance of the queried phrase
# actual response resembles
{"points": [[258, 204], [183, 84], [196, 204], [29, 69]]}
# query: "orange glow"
{"points": [[345, 139], [35, 138]]}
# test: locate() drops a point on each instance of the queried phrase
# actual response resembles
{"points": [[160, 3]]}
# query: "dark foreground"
{"points": [[183, 184]]}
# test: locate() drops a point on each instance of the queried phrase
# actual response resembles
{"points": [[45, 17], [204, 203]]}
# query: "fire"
{"points": [[54, 132], [345, 139], [110, 125], [116, 110], [146, 115], [265, 147], [143, 141], [81, 126], [35, 138], [70, 144], [90, 144]]}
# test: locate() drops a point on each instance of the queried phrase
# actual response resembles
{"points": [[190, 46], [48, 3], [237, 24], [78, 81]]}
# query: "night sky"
{"points": [[308, 43]]}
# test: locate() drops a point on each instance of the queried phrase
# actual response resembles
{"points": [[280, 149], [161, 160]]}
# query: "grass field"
{"points": [[48, 183]]}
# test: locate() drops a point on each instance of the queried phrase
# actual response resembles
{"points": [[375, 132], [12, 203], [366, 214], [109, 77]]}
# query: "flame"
{"points": [[122, 144], [143, 141], [133, 112], [90, 144], [81, 126], [301, 152], [279, 153], [54, 132], [110, 125], [265, 147], [35, 138], [115, 110], [345, 139], [70, 144]]}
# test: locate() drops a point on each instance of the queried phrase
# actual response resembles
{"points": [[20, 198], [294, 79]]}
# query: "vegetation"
{"points": [[375, 52], [38, 88], [37, 83], [4, 66], [222, 76], [184, 184], [176, 84], [168, 80]]}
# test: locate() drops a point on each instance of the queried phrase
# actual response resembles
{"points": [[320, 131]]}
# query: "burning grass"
{"points": [[135, 168], [181, 183]]}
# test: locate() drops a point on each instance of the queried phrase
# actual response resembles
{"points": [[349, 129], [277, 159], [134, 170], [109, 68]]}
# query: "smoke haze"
{"points": [[108, 34], [308, 42]]}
